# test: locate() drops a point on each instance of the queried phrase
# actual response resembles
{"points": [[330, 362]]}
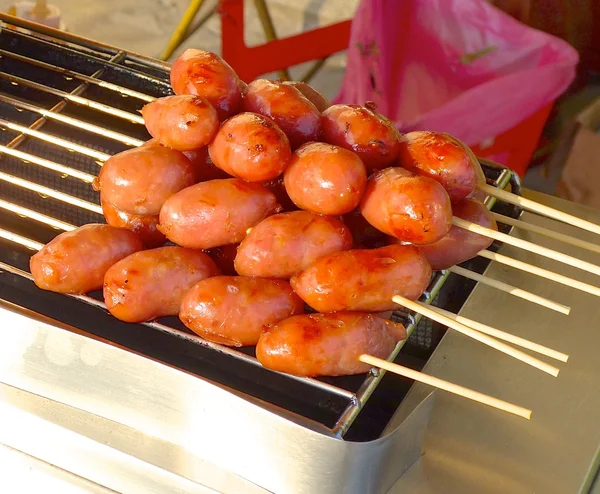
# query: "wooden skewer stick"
{"points": [[502, 335], [517, 292], [542, 209], [428, 312], [543, 273], [525, 245], [561, 237], [446, 386]]}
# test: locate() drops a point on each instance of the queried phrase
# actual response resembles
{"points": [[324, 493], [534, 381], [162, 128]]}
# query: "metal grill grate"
{"points": [[66, 105]]}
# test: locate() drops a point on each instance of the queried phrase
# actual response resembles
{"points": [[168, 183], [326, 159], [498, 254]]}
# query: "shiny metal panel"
{"points": [[474, 449], [98, 395]]}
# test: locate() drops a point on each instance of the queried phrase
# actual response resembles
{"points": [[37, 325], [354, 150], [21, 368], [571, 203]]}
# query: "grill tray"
{"points": [[68, 102]]}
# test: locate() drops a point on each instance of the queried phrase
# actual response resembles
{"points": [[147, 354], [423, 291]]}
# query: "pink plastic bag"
{"points": [[457, 66]]}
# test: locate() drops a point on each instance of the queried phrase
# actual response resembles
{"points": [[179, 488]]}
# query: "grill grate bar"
{"points": [[76, 75], [74, 98], [71, 146], [193, 338], [34, 215], [48, 192], [51, 165]]}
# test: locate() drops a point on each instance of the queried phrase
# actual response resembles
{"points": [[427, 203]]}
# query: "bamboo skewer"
{"points": [[525, 245], [517, 292], [561, 237], [428, 312], [446, 386], [542, 209], [502, 335], [542, 273]]}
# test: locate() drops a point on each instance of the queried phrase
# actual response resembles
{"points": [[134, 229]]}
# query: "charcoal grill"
{"points": [[66, 105]]}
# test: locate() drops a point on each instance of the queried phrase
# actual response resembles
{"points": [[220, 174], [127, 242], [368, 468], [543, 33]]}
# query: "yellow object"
{"points": [[181, 29]]}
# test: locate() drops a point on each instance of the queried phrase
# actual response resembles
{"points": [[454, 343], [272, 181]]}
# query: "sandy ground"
{"points": [[145, 26]]}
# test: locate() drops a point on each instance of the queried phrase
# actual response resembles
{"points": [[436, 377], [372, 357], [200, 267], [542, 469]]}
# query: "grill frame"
{"points": [[114, 61]]}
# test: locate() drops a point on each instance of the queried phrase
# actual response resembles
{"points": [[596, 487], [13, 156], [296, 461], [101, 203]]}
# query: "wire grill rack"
{"points": [[66, 105]]}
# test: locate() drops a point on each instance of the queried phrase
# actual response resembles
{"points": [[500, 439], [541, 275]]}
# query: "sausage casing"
{"points": [[310, 93], [251, 147], [363, 280], [184, 122], [139, 181], [234, 310], [325, 179], [364, 131], [204, 168], [75, 262], [314, 345], [206, 74], [287, 107], [152, 283], [285, 244], [224, 257], [442, 158], [459, 245], [410, 207], [215, 213]]}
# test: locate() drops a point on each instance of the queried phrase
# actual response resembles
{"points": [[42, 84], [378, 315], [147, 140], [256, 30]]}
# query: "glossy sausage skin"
{"points": [[364, 131], [314, 345], [184, 122], [152, 283], [145, 226], [205, 74], [363, 280], [310, 93], [442, 158], [287, 107], [325, 179], [285, 244], [75, 262], [234, 310], [460, 245], [251, 147], [410, 207], [139, 181], [363, 233], [224, 258], [215, 213], [277, 186], [204, 168]]}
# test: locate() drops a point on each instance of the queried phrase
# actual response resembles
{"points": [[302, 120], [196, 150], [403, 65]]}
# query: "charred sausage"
{"points": [[75, 262], [184, 122], [287, 107], [363, 280], [325, 179], [251, 147], [219, 212], [314, 345], [152, 283], [412, 208], [234, 310], [285, 244]]}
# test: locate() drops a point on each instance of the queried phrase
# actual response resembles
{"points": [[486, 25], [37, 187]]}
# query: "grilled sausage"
{"points": [[139, 181], [152, 283], [204, 168], [314, 345], [251, 147], [277, 186], [364, 234], [224, 257], [325, 179], [364, 131], [145, 226], [410, 207], [442, 158], [287, 107], [205, 74], [184, 122], [219, 212], [233, 310], [285, 244], [311, 94], [76, 261], [363, 280], [460, 245]]}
